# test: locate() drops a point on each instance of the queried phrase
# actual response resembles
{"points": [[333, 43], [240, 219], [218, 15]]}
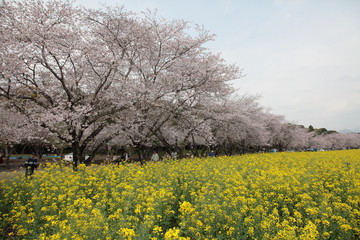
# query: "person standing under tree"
{"points": [[125, 156], [30, 165], [155, 157], [174, 155]]}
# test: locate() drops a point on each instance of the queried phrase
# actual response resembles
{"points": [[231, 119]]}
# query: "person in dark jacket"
{"points": [[30, 165]]}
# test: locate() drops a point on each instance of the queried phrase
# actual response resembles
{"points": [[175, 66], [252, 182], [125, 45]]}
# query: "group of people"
{"points": [[123, 158], [213, 154], [155, 156]]}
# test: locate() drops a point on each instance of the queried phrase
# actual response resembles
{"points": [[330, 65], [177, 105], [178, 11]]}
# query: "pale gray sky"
{"points": [[301, 56]]}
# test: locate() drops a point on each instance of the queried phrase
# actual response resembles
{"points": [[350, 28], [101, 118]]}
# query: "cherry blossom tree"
{"points": [[289, 136], [11, 130], [238, 124], [58, 71], [352, 140], [16, 129], [189, 130], [170, 72], [79, 73]]}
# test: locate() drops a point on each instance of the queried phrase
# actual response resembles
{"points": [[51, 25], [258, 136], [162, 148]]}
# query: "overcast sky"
{"points": [[301, 56]]}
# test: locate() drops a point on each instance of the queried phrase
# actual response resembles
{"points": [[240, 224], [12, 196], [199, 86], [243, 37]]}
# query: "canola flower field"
{"points": [[309, 195]]}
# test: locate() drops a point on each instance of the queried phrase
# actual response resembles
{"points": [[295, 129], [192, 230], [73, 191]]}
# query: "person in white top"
{"points": [[155, 157]]}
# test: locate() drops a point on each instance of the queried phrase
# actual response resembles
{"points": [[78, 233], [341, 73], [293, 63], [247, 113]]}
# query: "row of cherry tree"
{"points": [[88, 79]]}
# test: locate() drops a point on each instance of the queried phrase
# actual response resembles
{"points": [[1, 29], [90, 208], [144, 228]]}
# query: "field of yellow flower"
{"points": [[310, 195]]}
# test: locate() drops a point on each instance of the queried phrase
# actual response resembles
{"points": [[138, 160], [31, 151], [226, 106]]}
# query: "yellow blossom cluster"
{"points": [[309, 195]]}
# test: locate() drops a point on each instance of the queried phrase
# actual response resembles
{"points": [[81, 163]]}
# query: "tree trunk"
{"points": [[7, 154], [76, 155]]}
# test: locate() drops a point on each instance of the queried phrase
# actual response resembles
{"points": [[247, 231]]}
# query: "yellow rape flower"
{"points": [[309, 232], [127, 232], [173, 234], [157, 229], [186, 208]]}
